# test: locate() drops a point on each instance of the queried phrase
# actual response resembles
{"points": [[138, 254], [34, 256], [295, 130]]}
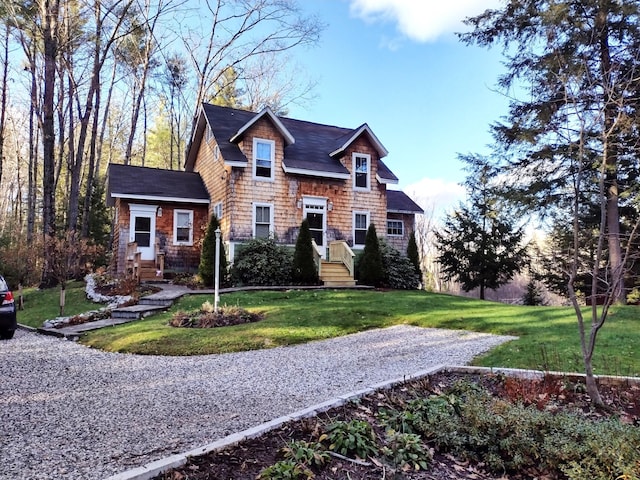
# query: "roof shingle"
{"points": [[128, 181]]}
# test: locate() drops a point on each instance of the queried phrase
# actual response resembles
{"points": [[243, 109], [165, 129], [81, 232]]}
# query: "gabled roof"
{"points": [[143, 183], [310, 148], [399, 202], [353, 136], [266, 112]]}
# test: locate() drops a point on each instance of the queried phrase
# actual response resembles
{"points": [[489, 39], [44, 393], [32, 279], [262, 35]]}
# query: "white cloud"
{"points": [[436, 195], [421, 20]]}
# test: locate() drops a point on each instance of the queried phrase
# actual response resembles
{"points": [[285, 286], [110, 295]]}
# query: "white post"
{"points": [[217, 272]]}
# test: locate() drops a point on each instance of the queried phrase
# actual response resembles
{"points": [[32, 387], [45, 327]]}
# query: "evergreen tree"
{"points": [[413, 255], [206, 268], [370, 267], [479, 245], [305, 271]]}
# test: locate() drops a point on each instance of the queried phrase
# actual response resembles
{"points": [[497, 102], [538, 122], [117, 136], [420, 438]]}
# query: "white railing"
{"points": [[317, 255], [339, 251]]}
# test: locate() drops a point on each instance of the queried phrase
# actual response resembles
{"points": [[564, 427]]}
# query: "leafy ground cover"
{"points": [[548, 336], [447, 426]]}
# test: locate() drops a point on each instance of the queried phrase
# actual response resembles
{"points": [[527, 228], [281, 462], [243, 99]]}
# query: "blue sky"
{"points": [[397, 65]]}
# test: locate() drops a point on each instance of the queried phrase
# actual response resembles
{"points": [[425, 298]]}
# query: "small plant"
{"points": [[405, 451], [207, 318], [351, 438], [207, 307], [285, 470], [306, 453]]}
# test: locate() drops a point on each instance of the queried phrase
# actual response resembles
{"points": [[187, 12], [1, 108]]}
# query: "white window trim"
{"points": [[175, 227], [273, 159], [353, 163], [217, 210], [368, 215], [401, 225], [271, 217]]}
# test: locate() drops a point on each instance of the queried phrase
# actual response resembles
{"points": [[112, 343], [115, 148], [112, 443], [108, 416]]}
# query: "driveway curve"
{"points": [[71, 412]]}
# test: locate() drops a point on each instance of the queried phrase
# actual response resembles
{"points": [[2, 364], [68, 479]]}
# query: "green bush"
{"points": [[413, 254], [262, 262], [285, 470], [305, 271], [208, 255], [406, 450], [370, 267], [352, 438], [399, 272], [306, 453], [470, 424]]}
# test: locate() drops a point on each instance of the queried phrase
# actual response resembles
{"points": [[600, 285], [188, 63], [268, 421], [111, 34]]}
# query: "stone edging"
{"points": [[154, 469]]}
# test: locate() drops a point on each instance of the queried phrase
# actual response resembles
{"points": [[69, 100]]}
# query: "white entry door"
{"points": [[142, 229], [315, 213]]}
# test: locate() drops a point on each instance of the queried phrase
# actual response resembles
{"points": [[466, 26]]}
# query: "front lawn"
{"points": [[41, 305], [548, 335]]}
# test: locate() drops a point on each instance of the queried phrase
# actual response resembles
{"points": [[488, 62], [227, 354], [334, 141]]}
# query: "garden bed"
{"points": [[449, 425]]}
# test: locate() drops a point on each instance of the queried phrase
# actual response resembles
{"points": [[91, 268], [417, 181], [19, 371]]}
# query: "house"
{"points": [[263, 174]]}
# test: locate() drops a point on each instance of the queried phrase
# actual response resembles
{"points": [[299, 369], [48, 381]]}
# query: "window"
{"points": [[217, 210], [395, 228], [263, 155], [360, 226], [183, 227], [361, 170], [263, 220], [216, 153]]}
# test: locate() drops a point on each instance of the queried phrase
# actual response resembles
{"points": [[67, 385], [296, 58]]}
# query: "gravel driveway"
{"points": [[70, 412]]}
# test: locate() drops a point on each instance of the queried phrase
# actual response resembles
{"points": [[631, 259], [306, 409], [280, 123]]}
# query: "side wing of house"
{"points": [[265, 174], [401, 219], [162, 212]]}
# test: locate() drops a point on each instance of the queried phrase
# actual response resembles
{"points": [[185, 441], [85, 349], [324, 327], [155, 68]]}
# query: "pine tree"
{"points": [[413, 255], [305, 271], [370, 267], [479, 245], [207, 256]]}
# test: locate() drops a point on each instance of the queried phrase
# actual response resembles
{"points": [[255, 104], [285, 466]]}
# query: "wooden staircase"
{"points": [[335, 274], [337, 271], [149, 271]]}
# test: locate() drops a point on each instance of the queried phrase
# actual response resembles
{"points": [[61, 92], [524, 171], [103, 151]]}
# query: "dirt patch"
{"points": [[553, 395]]}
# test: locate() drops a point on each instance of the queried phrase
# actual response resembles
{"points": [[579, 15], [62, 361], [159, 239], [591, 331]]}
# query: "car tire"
{"points": [[6, 334]]}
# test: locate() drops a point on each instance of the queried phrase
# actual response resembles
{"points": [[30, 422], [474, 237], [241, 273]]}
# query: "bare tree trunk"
{"points": [[49, 12], [610, 157], [3, 93], [33, 164]]}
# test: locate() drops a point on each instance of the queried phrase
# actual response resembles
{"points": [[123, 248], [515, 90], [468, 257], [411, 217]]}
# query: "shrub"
{"points": [[285, 470], [370, 267], [406, 450], [399, 272], [351, 438], [207, 318], [305, 453], [413, 255], [469, 423], [305, 271], [208, 254], [262, 262]]}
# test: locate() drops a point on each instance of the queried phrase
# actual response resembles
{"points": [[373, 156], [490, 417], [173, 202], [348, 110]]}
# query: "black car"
{"points": [[8, 322]]}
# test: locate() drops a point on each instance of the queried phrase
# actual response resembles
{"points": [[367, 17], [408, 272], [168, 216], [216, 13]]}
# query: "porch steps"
{"points": [[335, 274], [148, 271]]}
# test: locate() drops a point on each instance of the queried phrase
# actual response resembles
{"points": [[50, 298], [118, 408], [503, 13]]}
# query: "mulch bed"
{"points": [[246, 460]]}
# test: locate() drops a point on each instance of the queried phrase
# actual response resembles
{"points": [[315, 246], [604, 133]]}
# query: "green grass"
{"points": [[548, 336], [41, 305]]}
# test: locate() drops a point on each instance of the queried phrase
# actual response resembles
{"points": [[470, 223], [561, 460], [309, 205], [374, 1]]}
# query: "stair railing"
{"points": [[339, 251], [317, 255]]}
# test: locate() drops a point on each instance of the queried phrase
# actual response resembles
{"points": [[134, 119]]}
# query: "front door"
{"points": [[143, 229], [314, 212]]}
